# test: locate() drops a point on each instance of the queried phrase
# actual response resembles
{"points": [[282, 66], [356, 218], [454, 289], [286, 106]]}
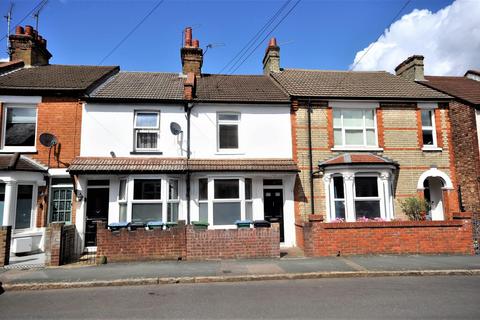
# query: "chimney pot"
{"points": [[19, 30], [196, 43], [188, 37], [29, 30], [273, 42]]}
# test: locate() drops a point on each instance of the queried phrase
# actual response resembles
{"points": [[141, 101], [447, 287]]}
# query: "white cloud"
{"points": [[448, 39], [4, 59]]}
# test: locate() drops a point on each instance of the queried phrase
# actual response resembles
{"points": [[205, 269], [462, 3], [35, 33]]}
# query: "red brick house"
{"points": [[464, 115], [36, 98]]}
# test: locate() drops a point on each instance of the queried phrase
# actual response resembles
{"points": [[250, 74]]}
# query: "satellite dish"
{"points": [[48, 140], [175, 128]]}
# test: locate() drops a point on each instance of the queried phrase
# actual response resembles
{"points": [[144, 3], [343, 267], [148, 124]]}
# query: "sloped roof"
{"points": [[459, 87], [17, 162], [149, 165], [54, 78], [353, 85], [239, 88], [356, 159], [142, 85]]}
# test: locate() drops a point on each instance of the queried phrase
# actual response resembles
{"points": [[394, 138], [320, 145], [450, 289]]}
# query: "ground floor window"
{"points": [[147, 202], [354, 196], [23, 213], [61, 200]]}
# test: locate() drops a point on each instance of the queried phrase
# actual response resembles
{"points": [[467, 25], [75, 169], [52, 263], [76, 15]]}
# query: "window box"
{"points": [[243, 223]]}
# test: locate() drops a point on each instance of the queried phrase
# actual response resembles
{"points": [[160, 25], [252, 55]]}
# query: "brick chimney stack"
{"points": [[411, 69], [192, 54], [271, 60], [27, 45]]}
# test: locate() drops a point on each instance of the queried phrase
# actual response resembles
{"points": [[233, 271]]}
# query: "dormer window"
{"points": [[227, 131], [147, 130], [354, 128]]}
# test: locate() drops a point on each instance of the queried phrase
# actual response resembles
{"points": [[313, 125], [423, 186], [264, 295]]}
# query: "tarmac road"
{"points": [[444, 297]]}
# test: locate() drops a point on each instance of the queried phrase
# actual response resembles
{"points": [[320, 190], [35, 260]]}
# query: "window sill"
{"points": [[432, 149], [147, 152], [27, 151], [366, 149], [229, 153]]}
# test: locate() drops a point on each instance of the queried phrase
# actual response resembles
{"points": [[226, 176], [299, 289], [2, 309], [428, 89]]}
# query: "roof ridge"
{"points": [[340, 71]]}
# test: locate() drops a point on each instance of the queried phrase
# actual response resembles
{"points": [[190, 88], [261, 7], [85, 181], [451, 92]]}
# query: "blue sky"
{"points": [[317, 34]]}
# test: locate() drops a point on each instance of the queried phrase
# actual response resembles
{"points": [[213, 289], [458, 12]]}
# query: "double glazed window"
{"points": [[367, 200], [20, 126], [227, 131], [354, 127], [23, 213], [147, 200], [173, 200], [428, 128], [338, 197], [147, 130], [61, 200]]}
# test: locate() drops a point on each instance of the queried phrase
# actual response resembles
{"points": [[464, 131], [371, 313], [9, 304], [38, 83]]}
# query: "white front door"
{"points": [[436, 200]]}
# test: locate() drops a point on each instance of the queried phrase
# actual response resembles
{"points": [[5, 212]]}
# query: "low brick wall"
{"points": [[395, 237], [188, 243], [5, 239], [140, 244], [233, 243], [59, 244]]}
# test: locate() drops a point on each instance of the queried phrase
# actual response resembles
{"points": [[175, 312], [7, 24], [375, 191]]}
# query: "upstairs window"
{"points": [[354, 128], [227, 131], [428, 128], [20, 126], [147, 127]]}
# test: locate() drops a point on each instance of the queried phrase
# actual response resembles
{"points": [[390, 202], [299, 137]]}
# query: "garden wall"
{"points": [[5, 238], [59, 244], [394, 237], [187, 242]]}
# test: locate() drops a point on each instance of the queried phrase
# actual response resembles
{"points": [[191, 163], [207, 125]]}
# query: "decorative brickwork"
{"points": [[5, 239], [186, 242], [396, 237]]}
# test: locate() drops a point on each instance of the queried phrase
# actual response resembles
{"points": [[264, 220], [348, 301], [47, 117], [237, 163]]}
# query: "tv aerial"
{"points": [[36, 14], [175, 128]]}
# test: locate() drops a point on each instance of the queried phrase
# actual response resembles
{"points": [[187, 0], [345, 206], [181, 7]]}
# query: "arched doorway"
{"points": [[434, 196]]}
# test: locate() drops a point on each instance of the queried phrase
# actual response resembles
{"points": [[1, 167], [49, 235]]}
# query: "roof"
{"points": [[209, 88], [239, 88], [460, 87], [17, 162], [353, 85], [356, 159], [142, 85], [149, 165], [54, 79], [11, 65]]}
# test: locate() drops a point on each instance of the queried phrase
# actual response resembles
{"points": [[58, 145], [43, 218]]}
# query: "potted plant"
{"points": [[415, 208]]}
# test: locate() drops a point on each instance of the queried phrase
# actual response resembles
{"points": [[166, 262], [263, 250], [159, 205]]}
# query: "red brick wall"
{"points": [[188, 243], [466, 150], [63, 118], [233, 243], [397, 237], [59, 244], [5, 239]]}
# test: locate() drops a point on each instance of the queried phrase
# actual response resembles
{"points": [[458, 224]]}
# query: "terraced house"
{"points": [[39, 99]]}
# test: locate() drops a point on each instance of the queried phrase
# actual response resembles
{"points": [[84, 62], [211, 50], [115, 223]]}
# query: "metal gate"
{"points": [[476, 232]]}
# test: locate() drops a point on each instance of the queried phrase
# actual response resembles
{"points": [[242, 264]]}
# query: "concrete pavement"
{"points": [[237, 270]]}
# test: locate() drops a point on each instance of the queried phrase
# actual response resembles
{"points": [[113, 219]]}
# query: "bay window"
{"points": [[338, 197], [147, 200], [20, 126], [354, 127], [367, 200], [147, 127], [226, 201], [122, 200]]}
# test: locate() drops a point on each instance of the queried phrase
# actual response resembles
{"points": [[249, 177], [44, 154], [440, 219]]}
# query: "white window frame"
{"points": [[203, 201], [384, 187], [228, 122], [142, 129], [334, 200], [240, 199], [248, 202], [6, 148], [378, 198], [34, 206], [431, 128], [364, 128], [123, 202], [50, 207], [133, 201], [171, 201]]}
